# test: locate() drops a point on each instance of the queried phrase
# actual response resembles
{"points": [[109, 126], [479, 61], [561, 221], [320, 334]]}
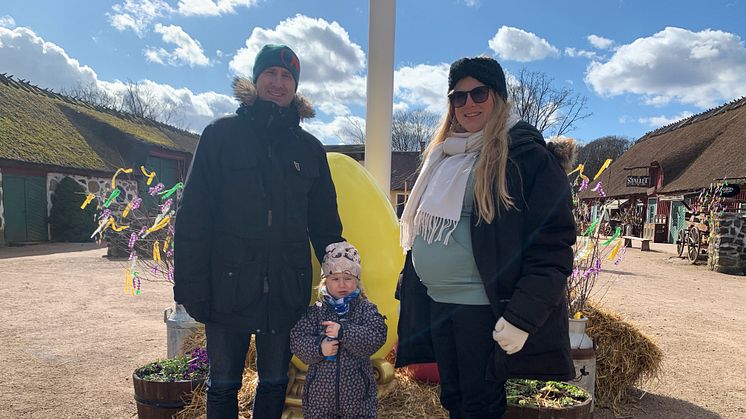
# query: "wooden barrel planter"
{"points": [[579, 411], [162, 400], [535, 399]]}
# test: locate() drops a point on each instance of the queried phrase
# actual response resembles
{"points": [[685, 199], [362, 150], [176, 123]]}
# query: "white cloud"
{"points": [[211, 7], [675, 65], [574, 52], [661, 120], [27, 56], [518, 45], [187, 51], [332, 65], [334, 132], [472, 3], [422, 86], [137, 15], [7, 22], [600, 42]]}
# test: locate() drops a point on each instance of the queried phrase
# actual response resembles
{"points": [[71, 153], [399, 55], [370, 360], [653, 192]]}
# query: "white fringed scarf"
{"points": [[434, 205], [434, 212]]}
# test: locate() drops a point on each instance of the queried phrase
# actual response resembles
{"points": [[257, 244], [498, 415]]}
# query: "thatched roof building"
{"points": [[685, 156], [45, 136]]}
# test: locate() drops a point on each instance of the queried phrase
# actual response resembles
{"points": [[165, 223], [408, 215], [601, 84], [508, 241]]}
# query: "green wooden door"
{"points": [[25, 202], [678, 216]]}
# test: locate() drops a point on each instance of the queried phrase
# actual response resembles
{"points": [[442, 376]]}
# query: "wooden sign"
{"points": [[730, 191], [638, 181]]}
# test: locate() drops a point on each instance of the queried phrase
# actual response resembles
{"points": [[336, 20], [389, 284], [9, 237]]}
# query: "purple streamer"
{"points": [[153, 190], [133, 239]]}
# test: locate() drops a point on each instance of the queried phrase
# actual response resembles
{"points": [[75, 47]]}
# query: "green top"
{"points": [[449, 272]]}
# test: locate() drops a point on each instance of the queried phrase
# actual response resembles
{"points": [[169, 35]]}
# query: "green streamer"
{"points": [[168, 193], [114, 194]]}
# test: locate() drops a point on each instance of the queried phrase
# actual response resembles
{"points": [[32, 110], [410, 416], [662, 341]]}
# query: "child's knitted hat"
{"points": [[341, 257]]}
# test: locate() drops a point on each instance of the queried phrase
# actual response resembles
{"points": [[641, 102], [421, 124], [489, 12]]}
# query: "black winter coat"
{"points": [[524, 258], [258, 188], [346, 386]]}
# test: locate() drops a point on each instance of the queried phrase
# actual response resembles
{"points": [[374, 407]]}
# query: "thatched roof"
{"points": [[42, 127], [691, 153]]}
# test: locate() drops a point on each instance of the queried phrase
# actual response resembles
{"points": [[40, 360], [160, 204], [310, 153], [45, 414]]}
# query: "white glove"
{"points": [[509, 337]]}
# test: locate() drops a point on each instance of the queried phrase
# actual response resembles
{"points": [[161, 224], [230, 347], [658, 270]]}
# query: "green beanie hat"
{"points": [[273, 55]]}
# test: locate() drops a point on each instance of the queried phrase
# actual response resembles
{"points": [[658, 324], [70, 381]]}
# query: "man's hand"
{"points": [[329, 347], [510, 338], [331, 329]]}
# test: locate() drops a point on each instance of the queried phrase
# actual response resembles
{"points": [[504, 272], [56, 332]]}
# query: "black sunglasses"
{"points": [[478, 95]]}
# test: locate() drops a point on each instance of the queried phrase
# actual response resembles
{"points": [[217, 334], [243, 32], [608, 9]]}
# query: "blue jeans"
{"points": [[227, 349]]}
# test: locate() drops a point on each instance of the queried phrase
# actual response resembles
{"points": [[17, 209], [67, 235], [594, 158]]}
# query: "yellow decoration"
{"points": [[127, 209], [87, 201], [370, 224], [113, 178], [603, 167], [615, 250], [580, 168], [149, 175], [585, 252], [156, 252], [128, 288], [166, 242], [117, 229], [578, 315], [164, 222]]}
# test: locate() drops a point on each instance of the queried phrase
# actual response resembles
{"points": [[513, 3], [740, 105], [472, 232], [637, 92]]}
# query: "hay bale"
{"points": [[625, 358], [411, 399]]}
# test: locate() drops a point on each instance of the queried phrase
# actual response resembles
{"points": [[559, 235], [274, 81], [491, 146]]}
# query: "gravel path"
{"points": [[71, 337]]}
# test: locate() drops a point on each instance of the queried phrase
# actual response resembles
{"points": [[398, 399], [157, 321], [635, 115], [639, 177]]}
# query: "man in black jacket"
{"points": [[258, 189]]}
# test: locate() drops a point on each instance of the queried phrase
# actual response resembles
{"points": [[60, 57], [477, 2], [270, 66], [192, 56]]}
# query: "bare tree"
{"points": [[410, 130], [593, 154], [141, 101], [136, 99], [91, 94], [353, 132], [553, 111]]}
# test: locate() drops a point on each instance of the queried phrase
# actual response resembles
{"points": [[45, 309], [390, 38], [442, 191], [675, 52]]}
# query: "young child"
{"points": [[336, 338]]}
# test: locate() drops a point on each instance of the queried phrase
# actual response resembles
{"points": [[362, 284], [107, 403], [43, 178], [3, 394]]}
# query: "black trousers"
{"points": [[463, 345], [226, 350]]}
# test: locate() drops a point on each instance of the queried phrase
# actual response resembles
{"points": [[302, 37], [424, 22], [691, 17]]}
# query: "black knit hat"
{"points": [[484, 69], [272, 55]]}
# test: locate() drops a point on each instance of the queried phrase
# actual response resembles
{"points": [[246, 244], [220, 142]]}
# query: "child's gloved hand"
{"points": [[331, 329], [509, 337], [329, 347]]}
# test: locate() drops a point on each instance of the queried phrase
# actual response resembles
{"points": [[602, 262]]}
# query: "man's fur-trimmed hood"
{"points": [[245, 91]]}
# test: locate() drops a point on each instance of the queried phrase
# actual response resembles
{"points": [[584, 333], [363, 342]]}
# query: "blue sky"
{"points": [[641, 64]]}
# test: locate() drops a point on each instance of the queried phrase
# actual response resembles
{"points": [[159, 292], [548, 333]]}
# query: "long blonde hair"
{"points": [[493, 161]]}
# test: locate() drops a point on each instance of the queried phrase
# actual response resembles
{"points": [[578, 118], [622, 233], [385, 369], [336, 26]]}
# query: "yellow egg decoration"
{"points": [[370, 224]]}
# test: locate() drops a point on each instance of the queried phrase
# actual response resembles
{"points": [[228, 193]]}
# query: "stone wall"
{"points": [[727, 245], [95, 185]]}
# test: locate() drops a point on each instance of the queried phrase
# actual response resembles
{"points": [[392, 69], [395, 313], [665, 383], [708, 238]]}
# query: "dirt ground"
{"points": [[70, 337]]}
